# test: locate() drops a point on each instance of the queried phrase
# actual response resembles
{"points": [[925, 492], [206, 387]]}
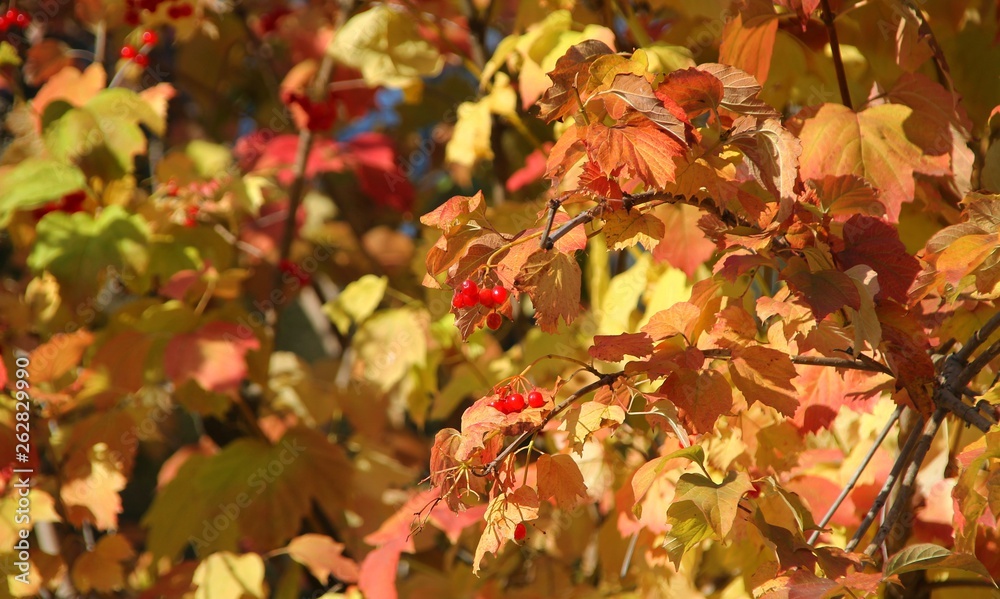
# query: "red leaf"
{"points": [[686, 247], [644, 149], [373, 158], [825, 291], [532, 171], [214, 356], [693, 90], [875, 243], [700, 397]]}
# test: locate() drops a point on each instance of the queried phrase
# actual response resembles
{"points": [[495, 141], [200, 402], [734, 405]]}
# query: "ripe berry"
{"points": [[535, 399], [520, 531], [515, 402], [494, 321], [22, 19], [499, 405], [128, 52], [458, 302], [499, 294], [141, 60], [470, 289], [486, 297], [149, 37]]}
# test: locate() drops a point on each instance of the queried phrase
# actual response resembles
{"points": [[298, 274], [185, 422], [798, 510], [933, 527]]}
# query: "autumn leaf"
{"points": [[103, 568], [686, 247], [660, 110], [625, 229], [214, 356], [323, 557], [571, 74], [552, 281], [639, 145], [825, 291], [700, 397], [703, 508], [872, 144], [504, 512], [695, 91], [873, 242], [765, 375], [740, 91], [772, 153], [614, 348], [560, 480], [225, 575], [748, 39]]}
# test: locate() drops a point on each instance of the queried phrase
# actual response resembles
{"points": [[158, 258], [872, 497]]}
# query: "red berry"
{"points": [[11, 16], [485, 297], [499, 294], [22, 19], [142, 60], [149, 37], [520, 531], [535, 399], [499, 405], [3, 23], [458, 301], [470, 289], [494, 321], [515, 402], [128, 52]]}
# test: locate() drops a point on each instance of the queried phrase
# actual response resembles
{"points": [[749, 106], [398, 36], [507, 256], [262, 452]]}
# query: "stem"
{"points": [[906, 489], [857, 474], [838, 61], [857, 364], [890, 481], [553, 207], [978, 338]]}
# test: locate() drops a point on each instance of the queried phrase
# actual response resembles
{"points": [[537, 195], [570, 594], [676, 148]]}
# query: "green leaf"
{"points": [[648, 472], [927, 555], [356, 302], [36, 182], [81, 251], [702, 508], [9, 56]]}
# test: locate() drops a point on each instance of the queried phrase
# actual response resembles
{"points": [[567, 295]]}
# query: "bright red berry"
{"points": [[23, 20], [520, 531], [486, 297], [149, 37], [515, 402], [499, 294], [494, 320], [470, 289], [535, 399], [141, 60], [499, 405], [128, 52], [3, 23], [458, 301]]}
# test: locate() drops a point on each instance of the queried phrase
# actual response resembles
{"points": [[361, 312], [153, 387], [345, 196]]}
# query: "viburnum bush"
{"points": [[500, 299]]}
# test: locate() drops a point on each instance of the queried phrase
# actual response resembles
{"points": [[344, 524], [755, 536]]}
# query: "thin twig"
{"points": [[907, 486], [554, 204], [849, 363], [513, 446], [978, 338], [838, 61], [890, 482], [857, 474]]}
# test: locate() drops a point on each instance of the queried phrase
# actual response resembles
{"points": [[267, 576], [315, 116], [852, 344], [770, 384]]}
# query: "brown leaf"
{"points": [[552, 281], [324, 557], [560, 479], [741, 91], [765, 375], [571, 73], [614, 348]]}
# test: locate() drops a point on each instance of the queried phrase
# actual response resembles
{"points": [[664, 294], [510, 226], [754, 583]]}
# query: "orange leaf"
{"points": [[661, 110], [625, 229], [324, 557], [58, 356], [765, 375], [686, 247], [102, 570], [614, 348], [214, 356], [552, 280], [560, 479], [503, 514], [640, 146], [693, 90], [572, 72], [678, 319], [748, 42], [740, 91], [700, 397]]}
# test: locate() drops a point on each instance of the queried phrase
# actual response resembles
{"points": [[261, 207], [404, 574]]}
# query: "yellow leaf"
{"points": [[470, 141], [356, 302], [385, 45], [225, 575]]}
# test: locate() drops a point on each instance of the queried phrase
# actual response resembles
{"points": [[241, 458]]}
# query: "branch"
{"points": [[853, 364], [607, 379], [978, 338], [890, 482], [838, 61], [554, 204], [906, 490], [630, 201], [857, 474]]}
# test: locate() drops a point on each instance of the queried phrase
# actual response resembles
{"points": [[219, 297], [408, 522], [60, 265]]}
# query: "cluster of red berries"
{"points": [[14, 18], [130, 52], [513, 403], [175, 11], [190, 216], [470, 295]]}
